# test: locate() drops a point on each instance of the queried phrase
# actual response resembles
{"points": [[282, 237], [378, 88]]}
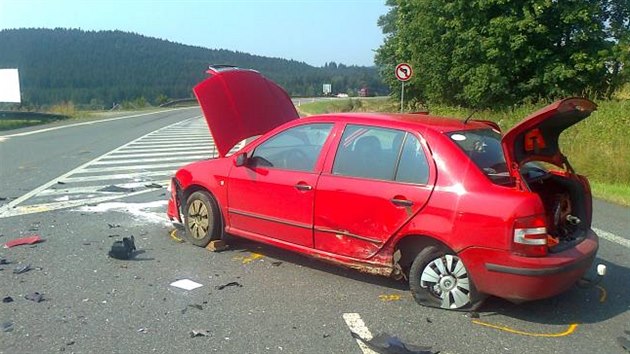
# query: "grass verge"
{"points": [[597, 147]]}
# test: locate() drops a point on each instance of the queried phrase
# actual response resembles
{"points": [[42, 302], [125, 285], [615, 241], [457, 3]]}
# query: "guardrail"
{"points": [[15, 115], [180, 101]]}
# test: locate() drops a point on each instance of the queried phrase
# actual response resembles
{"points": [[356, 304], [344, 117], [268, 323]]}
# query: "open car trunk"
{"points": [[565, 195], [568, 205]]}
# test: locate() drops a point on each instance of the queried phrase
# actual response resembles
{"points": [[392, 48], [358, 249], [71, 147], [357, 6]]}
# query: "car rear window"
{"points": [[483, 146]]}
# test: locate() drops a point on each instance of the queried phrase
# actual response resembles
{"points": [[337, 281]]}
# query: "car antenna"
{"points": [[470, 115]]}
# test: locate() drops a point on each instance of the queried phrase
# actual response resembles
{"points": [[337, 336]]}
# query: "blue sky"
{"points": [[313, 31]]}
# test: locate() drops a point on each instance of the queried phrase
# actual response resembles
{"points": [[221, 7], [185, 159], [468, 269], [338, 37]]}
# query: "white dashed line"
{"points": [[612, 237], [356, 325]]}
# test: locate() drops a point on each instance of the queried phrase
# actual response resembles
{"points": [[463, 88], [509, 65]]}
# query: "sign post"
{"points": [[403, 73]]}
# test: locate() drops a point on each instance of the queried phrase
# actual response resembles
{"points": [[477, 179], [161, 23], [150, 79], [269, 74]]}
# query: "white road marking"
{"points": [[95, 189], [3, 137], [139, 211], [81, 189], [150, 154], [356, 325], [183, 158], [612, 237]]}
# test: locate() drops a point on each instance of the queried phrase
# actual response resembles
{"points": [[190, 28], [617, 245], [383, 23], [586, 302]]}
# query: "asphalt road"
{"points": [[279, 302]]}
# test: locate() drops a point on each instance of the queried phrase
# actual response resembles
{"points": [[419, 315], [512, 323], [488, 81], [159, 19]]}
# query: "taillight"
{"points": [[530, 236]]}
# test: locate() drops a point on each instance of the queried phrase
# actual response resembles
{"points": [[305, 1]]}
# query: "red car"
{"points": [[453, 206]]}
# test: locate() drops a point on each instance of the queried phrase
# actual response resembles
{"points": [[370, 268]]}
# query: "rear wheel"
{"points": [[202, 219], [439, 279]]}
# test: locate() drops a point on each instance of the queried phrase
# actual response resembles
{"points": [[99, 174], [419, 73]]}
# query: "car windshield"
{"points": [[484, 149]]}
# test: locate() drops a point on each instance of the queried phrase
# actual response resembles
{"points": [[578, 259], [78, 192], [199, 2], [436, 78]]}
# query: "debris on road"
{"points": [[123, 249], [23, 241], [199, 333], [116, 189], [217, 246], [186, 284], [6, 326], [7, 299], [113, 226], [60, 182], [624, 342], [383, 343], [234, 283], [22, 269], [276, 264], [176, 238], [153, 185], [34, 296], [196, 306], [4, 261], [142, 330]]}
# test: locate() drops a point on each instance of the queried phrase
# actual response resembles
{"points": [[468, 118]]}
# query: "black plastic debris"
{"points": [[383, 343], [116, 189], [59, 182], [196, 306], [199, 333], [7, 299], [34, 296], [234, 283], [4, 261], [113, 226], [276, 264], [6, 326], [153, 185], [2, 199], [123, 249], [22, 269]]}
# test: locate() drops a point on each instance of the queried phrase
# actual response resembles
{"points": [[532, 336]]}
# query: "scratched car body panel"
{"points": [[452, 206]]}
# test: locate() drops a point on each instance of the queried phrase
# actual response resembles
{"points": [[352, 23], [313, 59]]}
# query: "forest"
{"points": [[99, 68]]}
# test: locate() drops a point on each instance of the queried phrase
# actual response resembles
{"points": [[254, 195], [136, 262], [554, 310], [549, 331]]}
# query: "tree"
{"points": [[488, 52]]}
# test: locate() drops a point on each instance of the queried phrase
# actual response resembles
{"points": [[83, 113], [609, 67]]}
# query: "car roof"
{"points": [[419, 121]]}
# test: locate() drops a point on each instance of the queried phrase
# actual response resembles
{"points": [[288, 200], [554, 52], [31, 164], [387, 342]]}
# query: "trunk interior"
{"points": [[567, 207]]}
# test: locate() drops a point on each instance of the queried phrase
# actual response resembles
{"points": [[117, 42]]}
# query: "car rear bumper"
{"points": [[517, 278]]}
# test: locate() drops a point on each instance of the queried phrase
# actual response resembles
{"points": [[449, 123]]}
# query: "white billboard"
{"points": [[10, 86]]}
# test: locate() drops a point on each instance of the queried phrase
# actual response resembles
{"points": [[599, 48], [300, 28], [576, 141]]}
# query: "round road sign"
{"points": [[403, 72]]}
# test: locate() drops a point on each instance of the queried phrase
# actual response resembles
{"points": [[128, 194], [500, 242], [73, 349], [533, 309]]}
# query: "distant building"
{"points": [[364, 92]]}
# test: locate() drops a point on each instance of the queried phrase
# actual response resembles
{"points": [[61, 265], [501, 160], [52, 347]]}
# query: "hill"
{"points": [[102, 67]]}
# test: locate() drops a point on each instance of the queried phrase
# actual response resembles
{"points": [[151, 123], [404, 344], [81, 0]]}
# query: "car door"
{"points": [[272, 194], [378, 180]]}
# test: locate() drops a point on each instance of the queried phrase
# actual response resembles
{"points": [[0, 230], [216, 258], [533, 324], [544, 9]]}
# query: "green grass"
{"points": [[598, 147], [6, 124]]}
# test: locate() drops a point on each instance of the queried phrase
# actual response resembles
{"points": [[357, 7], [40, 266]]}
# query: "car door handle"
{"points": [[303, 187], [402, 202]]}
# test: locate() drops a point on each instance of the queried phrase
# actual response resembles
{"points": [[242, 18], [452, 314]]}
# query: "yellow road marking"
{"points": [[602, 294], [175, 237], [389, 297], [569, 330], [252, 257]]}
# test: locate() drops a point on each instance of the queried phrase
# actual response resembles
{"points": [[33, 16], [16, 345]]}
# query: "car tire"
{"points": [[202, 219], [438, 278]]}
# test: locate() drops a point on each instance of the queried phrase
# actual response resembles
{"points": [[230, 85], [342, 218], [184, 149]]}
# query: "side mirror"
{"points": [[241, 159]]}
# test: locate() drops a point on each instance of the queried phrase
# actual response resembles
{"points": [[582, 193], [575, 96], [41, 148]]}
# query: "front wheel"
{"points": [[440, 279], [202, 219]]}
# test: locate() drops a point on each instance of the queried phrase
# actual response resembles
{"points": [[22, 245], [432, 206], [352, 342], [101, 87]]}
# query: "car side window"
{"points": [[413, 166], [296, 148], [368, 152]]}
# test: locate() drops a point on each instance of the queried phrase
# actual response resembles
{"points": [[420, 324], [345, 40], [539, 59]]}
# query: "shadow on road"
{"points": [[578, 305], [243, 245]]}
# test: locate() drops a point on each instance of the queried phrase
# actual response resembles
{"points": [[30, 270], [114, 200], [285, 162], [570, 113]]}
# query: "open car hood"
{"points": [[536, 137], [239, 103]]}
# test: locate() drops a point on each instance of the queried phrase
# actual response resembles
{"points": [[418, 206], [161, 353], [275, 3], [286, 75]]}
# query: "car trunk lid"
{"points": [[536, 137], [240, 103]]}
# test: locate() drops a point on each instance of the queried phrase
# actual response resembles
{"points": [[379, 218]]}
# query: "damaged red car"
{"points": [[455, 207]]}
